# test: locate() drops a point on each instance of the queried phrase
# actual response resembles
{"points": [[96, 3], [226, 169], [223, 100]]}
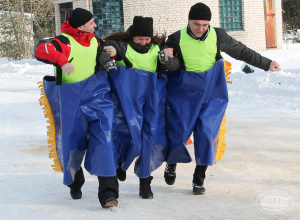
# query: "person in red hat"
{"points": [[81, 99], [197, 93]]}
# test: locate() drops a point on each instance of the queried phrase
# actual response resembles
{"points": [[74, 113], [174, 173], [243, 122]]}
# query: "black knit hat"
{"points": [[79, 17], [200, 11], [141, 26]]}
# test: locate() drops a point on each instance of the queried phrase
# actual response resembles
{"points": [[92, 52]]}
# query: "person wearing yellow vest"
{"points": [[138, 91], [79, 97], [197, 93]]}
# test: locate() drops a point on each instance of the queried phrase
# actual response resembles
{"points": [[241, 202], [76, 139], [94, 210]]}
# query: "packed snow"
{"points": [[261, 158]]}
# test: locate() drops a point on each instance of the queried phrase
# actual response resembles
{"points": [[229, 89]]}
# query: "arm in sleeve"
{"points": [[239, 51], [49, 53], [120, 46], [168, 63], [105, 61]]}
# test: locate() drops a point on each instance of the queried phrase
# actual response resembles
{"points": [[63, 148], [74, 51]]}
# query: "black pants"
{"points": [[78, 180], [199, 175], [108, 187]]}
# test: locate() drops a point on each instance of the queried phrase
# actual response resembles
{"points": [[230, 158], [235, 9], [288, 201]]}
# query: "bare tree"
{"points": [[19, 18], [14, 29], [44, 19]]}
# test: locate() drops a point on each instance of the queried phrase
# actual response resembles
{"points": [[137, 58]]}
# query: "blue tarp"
{"points": [[196, 102], [83, 113], [139, 99]]}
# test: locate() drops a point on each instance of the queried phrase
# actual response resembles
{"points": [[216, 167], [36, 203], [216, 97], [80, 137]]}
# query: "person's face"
{"points": [[142, 40], [88, 27], [198, 27]]}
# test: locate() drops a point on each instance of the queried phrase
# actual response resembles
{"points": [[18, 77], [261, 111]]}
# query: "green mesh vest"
{"points": [[146, 61], [84, 60], [198, 56]]}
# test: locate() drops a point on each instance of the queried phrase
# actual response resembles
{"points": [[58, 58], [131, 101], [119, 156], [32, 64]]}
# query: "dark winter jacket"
{"points": [[226, 44], [121, 47], [58, 50]]}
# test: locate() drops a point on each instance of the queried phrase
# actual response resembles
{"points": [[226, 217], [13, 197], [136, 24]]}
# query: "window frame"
{"points": [[231, 15]]}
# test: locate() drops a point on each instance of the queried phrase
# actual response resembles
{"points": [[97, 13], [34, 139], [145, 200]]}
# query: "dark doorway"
{"points": [[65, 11]]}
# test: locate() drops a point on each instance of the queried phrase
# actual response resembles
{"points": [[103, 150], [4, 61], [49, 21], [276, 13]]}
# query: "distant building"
{"points": [[257, 23]]}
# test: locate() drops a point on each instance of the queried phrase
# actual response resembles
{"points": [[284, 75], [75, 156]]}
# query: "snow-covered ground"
{"points": [[258, 177]]}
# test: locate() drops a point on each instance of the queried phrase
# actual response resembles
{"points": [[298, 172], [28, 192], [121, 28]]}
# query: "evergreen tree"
{"points": [[291, 13]]}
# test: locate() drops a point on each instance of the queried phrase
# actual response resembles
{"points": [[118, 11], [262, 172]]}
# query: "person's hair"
{"points": [[125, 36], [159, 40], [121, 35]]}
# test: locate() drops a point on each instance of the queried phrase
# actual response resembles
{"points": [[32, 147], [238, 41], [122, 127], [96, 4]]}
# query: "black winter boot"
{"points": [[198, 180], [75, 187], [170, 173], [145, 188], [121, 174], [108, 191]]}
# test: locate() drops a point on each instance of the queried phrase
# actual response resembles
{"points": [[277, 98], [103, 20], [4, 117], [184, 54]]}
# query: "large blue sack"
{"points": [[160, 135], [136, 118], [196, 102], [83, 114]]}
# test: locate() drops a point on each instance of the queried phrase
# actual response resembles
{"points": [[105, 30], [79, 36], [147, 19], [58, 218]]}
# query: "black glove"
{"points": [[247, 69], [110, 66], [162, 57]]}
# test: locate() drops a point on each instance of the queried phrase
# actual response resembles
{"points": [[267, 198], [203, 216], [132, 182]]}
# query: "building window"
{"points": [[231, 15], [108, 16]]}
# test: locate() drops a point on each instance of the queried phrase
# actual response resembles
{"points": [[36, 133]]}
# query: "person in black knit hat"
{"points": [[79, 17], [200, 11], [137, 49], [142, 26], [196, 48], [77, 67]]}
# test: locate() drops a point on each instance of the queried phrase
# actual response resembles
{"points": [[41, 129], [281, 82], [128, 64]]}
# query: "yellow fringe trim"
{"points": [[222, 142], [227, 69], [50, 128]]}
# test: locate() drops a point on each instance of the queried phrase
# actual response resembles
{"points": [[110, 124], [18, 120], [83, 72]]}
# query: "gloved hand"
{"points": [[110, 66], [247, 69], [164, 54]]}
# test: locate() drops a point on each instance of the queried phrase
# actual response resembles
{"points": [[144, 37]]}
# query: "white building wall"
{"points": [[76, 4], [172, 15], [254, 34], [168, 15], [278, 23]]}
